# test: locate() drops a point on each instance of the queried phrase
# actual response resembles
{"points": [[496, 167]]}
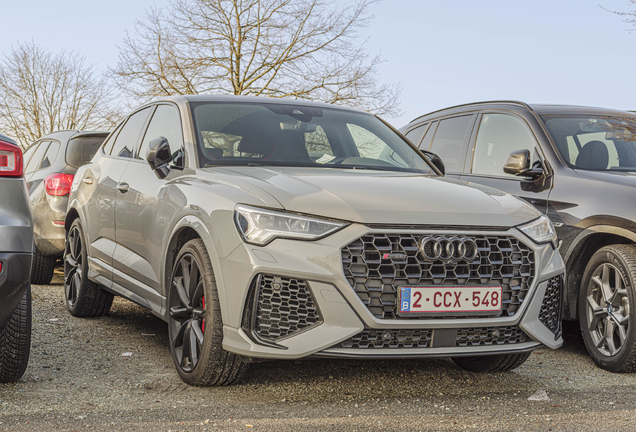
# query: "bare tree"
{"points": [[41, 92], [630, 16], [304, 49]]}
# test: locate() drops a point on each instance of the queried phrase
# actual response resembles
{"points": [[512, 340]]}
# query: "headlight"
{"points": [[259, 226], [540, 230]]}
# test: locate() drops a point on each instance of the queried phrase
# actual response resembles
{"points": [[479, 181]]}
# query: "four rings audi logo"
{"points": [[448, 248]]}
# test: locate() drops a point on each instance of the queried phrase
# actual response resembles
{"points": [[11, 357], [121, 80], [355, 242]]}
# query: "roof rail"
{"points": [[510, 102]]}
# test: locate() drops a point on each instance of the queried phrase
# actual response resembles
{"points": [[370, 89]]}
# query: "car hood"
{"points": [[380, 197], [622, 177]]}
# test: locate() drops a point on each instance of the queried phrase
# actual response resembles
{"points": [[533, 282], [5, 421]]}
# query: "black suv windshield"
{"points": [[597, 143], [290, 135]]}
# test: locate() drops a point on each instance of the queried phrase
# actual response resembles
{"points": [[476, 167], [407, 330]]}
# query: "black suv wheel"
{"points": [[15, 341]]}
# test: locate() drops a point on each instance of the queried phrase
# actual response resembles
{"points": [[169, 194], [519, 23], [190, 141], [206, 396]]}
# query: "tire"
{"points": [[606, 299], [42, 268], [15, 341], [195, 324], [493, 363], [84, 298]]}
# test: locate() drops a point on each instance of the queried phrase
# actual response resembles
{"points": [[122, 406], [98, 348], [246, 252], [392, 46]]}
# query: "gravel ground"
{"points": [[78, 380]]}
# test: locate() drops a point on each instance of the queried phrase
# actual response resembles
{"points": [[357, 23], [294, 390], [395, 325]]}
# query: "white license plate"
{"points": [[455, 300]]}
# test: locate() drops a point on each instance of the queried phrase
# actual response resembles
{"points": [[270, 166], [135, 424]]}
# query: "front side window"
{"points": [[290, 135], [51, 154], [165, 122], [498, 136], [595, 142], [451, 141], [128, 137], [36, 159]]}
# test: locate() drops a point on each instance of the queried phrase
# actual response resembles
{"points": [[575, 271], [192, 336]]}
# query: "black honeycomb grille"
{"points": [[550, 312], [502, 261], [389, 339], [422, 338], [284, 306], [485, 336]]}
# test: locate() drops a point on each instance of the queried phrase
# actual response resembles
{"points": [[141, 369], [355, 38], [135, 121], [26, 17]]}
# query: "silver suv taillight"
{"points": [[10, 160]]}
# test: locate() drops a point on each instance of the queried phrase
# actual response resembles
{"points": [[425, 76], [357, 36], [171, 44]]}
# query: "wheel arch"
{"points": [[186, 229], [579, 253]]}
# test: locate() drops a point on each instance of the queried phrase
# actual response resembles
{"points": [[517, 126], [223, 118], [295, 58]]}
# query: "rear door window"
{"points": [[451, 141]]}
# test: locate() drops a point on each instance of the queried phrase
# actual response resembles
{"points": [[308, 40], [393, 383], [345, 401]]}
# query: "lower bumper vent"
{"points": [[423, 338], [283, 306], [550, 313]]}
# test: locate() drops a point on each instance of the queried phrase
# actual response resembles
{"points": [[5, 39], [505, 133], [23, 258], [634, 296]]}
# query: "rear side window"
{"points": [[415, 135], [50, 155], [129, 135], [80, 150], [451, 141], [37, 157]]}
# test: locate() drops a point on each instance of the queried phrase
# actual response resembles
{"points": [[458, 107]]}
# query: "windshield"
{"points": [[289, 135], [595, 142]]}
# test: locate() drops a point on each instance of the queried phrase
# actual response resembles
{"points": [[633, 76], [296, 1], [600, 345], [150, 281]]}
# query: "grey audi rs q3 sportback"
{"points": [[270, 229]]}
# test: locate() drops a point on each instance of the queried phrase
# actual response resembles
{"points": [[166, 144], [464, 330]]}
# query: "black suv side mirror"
{"points": [[518, 163], [435, 160], [159, 156]]}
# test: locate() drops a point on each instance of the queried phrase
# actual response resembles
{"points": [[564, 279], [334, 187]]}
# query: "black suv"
{"points": [[578, 166]]}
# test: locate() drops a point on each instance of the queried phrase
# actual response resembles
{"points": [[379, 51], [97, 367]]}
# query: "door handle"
{"points": [[88, 180], [122, 187]]}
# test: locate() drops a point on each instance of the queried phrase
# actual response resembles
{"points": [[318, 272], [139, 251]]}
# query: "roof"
{"points": [[253, 100], [540, 109]]}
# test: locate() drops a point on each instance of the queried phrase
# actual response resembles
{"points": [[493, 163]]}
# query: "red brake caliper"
{"points": [[203, 321]]}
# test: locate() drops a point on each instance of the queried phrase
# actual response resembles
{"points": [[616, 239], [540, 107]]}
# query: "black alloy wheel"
{"points": [[195, 326], [606, 306], [187, 312], [84, 298]]}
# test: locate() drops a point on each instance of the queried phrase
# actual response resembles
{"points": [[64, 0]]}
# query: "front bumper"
{"points": [[14, 281], [345, 318]]}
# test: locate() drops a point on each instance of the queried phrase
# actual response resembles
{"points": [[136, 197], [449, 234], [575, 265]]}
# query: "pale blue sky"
{"points": [[441, 52]]}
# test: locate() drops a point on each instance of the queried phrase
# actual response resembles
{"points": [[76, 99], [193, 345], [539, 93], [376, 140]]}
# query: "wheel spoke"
{"points": [[618, 296], [609, 336], [76, 244], [196, 328], [605, 285], [597, 313], [178, 312], [193, 282], [177, 282], [198, 294], [194, 349], [187, 343]]}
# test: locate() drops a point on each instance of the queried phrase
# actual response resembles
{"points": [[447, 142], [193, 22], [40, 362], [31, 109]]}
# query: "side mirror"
{"points": [[435, 160], [159, 156], [518, 163]]}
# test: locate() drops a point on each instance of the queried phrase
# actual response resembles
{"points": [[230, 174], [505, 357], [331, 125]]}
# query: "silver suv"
{"points": [[16, 246], [264, 228]]}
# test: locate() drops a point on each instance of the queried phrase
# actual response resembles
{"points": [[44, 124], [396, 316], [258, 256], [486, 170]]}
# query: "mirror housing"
{"points": [[518, 163], [159, 156], [435, 160]]}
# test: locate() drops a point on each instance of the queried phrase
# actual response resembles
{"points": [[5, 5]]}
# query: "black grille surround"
{"points": [[372, 339], [283, 306], [550, 312], [502, 261]]}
